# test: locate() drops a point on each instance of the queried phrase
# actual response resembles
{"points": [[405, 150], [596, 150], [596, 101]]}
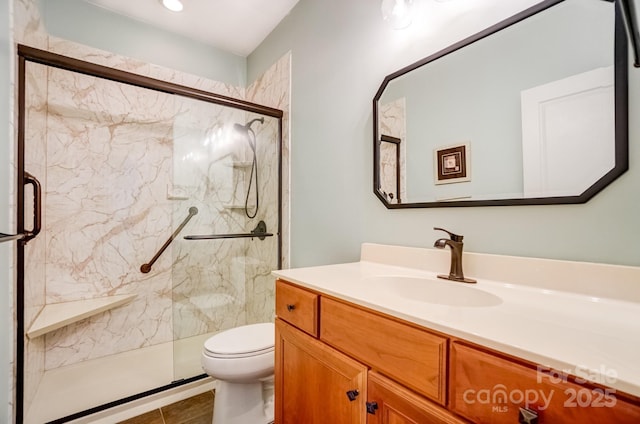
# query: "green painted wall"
{"points": [[341, 51], [82, 22]]}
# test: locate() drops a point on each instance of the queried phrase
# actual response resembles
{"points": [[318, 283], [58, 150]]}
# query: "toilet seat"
{"points": [[242, 342]]}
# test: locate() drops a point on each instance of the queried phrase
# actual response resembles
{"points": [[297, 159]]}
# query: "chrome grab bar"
{"points": [[145, 268]]}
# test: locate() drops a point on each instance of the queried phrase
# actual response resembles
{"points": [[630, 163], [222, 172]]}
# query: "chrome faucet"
{"points": [[455, 243]]}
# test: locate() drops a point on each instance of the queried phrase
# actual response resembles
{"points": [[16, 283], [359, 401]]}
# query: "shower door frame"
{"points": [[30, 54]]}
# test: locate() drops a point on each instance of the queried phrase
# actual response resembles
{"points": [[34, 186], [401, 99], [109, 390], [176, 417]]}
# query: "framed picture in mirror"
{"points": [[452, 164]]}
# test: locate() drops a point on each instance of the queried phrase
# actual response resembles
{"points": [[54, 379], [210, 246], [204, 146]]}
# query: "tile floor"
{"points": [[195, 410]]}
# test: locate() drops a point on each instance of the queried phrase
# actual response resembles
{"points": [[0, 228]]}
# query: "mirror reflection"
{"points": [[524, 115]]}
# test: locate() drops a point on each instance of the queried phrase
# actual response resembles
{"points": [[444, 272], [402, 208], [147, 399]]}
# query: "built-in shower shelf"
{"points": [[177, 192], [237, 206], [57, 315], [240, 164]]}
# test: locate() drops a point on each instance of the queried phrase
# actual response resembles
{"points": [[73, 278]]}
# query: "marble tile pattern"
{"points": [[11, 271], [392, 121], [26, 27], [115, 193], [109, 150], [123, 166], [273, 89], [214, 281], [105, 58], [35, 250], [111, 160], [260, 256], [208, 287]]}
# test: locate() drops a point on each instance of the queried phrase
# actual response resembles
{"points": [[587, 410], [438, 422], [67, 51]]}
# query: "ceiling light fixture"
{"points": [[397, 13], [173, 5]]}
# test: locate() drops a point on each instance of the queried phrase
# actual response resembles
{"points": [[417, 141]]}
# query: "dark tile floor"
{"points": [[195, 410]]}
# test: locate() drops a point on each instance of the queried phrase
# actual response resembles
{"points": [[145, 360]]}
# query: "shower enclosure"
{"points": [[154, 216]]}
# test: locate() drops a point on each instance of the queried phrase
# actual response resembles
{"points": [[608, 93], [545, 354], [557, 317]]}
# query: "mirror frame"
{"points": [[621, 116]]}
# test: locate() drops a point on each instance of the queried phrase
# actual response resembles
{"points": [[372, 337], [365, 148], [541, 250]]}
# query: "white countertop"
{"points": [[595, 338]]}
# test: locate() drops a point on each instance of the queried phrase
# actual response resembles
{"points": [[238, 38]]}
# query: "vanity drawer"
{"points": [[411, 356], [488, 388], [297, 306]]}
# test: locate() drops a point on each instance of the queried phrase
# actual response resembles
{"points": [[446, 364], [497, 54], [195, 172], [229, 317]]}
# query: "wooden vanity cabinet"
{"points": [[329, 351], [314, 383], [487, 388]]}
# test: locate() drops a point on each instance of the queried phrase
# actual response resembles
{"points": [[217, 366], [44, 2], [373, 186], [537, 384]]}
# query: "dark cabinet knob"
{"points": [[290, 307], [352, 395], [371, 407], [527, 416]]}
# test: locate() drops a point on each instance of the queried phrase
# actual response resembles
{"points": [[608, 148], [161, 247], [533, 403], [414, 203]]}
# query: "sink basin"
{"points": [[436, 291]]}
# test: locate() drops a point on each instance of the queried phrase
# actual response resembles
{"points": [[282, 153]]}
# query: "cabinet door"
{"points": [[390, 403], [313, 381]]}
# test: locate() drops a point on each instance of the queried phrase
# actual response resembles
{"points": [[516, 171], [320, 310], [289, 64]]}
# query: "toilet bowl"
{"points": [[241, 360]]}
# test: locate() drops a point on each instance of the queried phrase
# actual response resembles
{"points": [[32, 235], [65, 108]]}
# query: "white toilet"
{"points": [[241, 360]]}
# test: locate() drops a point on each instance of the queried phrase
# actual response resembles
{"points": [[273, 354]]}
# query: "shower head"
{"points": [[248, 124], [243, 129]]}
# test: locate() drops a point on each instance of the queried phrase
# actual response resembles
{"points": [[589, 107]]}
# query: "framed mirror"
{"points": [[530, 111]]}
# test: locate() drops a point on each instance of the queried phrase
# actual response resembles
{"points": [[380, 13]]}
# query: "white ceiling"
{"points": [[236, 26]]}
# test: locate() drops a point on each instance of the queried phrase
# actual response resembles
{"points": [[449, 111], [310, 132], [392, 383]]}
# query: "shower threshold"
{"points": [[79, 387]]}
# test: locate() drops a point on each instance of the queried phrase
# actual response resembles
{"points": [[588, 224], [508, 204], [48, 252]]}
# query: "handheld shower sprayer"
{"points": [[247, 131]]}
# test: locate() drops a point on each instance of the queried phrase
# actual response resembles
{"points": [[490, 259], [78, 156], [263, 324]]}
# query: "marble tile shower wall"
{"points": [[110, 181], [271, 89], [212, 279], [108, 152], [27, 28], [101, 226], [35, 250]]}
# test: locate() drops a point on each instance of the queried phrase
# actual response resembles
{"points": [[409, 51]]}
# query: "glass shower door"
{"points": [[226, 164], [123, 164]]}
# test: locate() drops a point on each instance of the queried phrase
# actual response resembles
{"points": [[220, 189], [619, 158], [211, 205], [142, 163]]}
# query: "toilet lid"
{"points": [[246, 340]]}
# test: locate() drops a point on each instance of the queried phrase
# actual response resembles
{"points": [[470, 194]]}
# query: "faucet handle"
{"points": [[454, 237]]}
